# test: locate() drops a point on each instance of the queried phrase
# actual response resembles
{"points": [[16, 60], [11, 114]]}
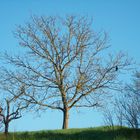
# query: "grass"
{"points": [[98, 133]]}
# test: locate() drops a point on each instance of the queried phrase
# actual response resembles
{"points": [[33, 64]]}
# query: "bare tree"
{"points": [[127, 106], [65, 64], [128, 113], [11, 108], [1, 120], [108, 115], [119, 112]]}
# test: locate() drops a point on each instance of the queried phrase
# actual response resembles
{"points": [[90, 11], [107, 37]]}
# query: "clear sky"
{"points": [[120, 18]]}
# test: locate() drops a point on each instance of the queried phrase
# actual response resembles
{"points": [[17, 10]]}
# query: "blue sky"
{"points": [[120, 18]]}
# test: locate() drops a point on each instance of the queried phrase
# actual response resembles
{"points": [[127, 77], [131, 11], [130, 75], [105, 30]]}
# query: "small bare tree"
{"points": [[65, 65], [128, 113], [11, 107], [1, 119], [119, 112], [108, 115], [127, 106]]}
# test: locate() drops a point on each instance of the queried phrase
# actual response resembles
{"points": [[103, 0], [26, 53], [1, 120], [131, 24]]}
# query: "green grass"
{"points": [[98, 133]]}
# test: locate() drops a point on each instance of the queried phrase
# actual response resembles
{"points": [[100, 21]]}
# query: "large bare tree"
{"points": [[65, 64]]}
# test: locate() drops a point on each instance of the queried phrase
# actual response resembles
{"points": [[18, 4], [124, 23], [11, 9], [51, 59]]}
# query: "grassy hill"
{"points": [[99, 133]]}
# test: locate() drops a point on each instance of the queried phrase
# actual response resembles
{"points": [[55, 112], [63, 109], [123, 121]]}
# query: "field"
{"points": [[98, 133]]}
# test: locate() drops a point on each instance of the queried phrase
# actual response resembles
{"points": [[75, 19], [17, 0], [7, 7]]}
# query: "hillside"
{"points": [[99, 133]]}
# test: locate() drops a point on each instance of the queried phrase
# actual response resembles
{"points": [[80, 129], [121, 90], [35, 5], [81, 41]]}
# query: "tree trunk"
{"points": [[6, 128], [65, 119]]}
